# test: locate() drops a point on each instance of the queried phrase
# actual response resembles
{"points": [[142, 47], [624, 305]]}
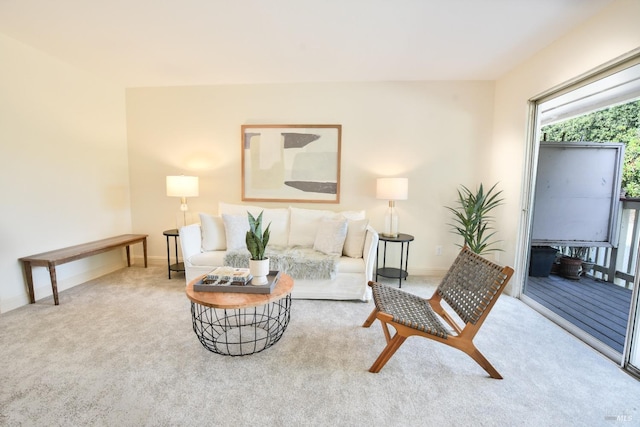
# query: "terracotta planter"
{"points": [[571, 268]]}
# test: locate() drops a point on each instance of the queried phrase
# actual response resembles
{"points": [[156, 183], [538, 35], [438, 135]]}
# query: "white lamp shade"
{"points": [[392, 188], [182, 186]]}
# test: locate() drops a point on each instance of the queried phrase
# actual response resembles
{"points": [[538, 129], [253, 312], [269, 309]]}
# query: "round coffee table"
{"points": [[239, 324]]}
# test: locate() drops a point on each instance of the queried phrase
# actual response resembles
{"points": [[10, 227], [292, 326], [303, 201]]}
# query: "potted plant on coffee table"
{"points": [[257, 241]]}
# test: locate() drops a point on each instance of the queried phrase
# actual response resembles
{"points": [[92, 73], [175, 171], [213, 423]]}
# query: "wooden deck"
{"points": [[598, 308]]}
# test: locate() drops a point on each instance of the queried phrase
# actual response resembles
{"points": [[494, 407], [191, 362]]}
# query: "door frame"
{"points": [[532, 148]]}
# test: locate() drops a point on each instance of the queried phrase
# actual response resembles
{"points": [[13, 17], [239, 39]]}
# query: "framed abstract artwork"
{"points": [[291, 163]]}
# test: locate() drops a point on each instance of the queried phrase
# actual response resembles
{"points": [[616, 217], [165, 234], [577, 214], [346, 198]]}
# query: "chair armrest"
{"points": [[190, 241], [370, 252]]}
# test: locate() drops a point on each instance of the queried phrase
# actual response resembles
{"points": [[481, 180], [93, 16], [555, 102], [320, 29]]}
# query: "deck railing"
{"points": [[617, 265]]}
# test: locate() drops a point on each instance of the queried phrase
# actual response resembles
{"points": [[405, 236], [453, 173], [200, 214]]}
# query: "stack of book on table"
{"points": [[231, 279], [226, 276]]}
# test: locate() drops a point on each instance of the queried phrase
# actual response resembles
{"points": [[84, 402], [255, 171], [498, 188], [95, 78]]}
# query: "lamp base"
{"points": [[389, 235], [184, 218], [391, 222]]}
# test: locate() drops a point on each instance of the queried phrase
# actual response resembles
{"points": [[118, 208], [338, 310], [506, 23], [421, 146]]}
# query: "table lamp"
{"points": [[182, 186], [392, 189]]}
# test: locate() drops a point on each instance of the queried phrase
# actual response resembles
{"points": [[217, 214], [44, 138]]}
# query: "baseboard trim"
{"points": [[43, 289], [433, 272]]}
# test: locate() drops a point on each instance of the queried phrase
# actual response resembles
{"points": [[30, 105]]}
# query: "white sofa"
{"points": [[345, 238]]}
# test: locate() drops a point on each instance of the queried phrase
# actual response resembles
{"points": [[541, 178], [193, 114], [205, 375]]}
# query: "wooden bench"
{"points": [[60, 256]]}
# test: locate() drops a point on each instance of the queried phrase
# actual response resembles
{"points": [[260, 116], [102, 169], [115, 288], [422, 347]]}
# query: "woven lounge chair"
{"points": [[471, 287]]}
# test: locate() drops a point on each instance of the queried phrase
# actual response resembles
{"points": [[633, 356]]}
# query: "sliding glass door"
{"points": [[603, 310]]}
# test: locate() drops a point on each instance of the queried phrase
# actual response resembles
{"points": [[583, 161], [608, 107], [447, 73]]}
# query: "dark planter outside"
{"points": [[541, 260]]}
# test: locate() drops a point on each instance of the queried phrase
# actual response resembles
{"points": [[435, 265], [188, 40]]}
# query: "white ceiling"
{"points": [[193, 42]]}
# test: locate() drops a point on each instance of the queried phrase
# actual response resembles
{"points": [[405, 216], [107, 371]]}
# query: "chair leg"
{"points": [[387, 334], [482, 361], [370, 319], [386, 354]]}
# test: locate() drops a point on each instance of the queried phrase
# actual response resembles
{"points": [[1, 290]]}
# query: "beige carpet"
{"points": [[120, 350]]}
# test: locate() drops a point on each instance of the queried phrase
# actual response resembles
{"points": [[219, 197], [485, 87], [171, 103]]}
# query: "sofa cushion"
{"points": [[304, 225], [354, 242], [331, 235], [278, 218], [213, 233], [208, 259], [236, 227], [353, 215]]}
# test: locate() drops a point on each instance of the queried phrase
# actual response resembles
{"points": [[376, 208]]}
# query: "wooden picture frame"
{"points": [[291, 163]]}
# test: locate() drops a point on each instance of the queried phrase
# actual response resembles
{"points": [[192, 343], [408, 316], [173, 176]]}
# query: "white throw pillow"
{"points": [[213, 233], [304, 225], [236, 227], [331, 235], [278, 218], [354, 243]]}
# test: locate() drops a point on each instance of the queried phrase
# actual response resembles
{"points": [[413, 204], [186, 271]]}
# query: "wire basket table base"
{"points": [[241, 331]]}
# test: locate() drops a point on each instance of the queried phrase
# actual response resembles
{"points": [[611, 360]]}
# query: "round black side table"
{"points": [[178, 266], [390, 272]]}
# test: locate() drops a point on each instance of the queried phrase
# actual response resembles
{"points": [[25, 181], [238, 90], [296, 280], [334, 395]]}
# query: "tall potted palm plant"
{"points": [[472, 218]]}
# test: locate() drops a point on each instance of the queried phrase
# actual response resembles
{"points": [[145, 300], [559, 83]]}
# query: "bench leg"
{"points": [[54, 282], [28, 274], [144, 249]]}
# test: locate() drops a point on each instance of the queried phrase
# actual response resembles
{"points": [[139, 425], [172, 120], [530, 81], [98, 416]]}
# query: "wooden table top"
{"points": [[231, 300]]}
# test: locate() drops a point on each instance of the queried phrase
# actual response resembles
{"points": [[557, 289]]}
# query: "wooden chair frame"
{"points": [[462, 338]]}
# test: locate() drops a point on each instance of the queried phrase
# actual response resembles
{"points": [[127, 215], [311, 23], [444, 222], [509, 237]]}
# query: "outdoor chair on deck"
{"points": [[471, 287]]}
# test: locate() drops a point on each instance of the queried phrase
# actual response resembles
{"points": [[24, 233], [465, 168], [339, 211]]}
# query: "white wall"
{"points": [[64, 161], [606, 36], [430, 132], [63, 168]]}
